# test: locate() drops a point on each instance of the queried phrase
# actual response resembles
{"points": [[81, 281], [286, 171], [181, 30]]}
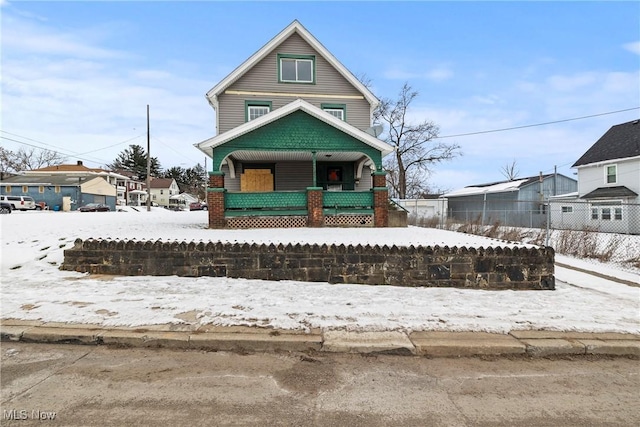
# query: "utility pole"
{"points": [[148, 164]]}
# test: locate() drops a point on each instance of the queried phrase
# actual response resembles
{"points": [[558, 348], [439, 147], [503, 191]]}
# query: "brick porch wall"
{"points": [[315, 215], [215, 200], [380, 200]]}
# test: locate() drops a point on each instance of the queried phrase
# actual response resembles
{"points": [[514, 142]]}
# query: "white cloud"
{"points": [[633, 47], [435, 74], [77, 95]]}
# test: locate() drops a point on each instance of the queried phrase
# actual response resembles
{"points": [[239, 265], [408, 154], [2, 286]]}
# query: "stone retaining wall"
{"points": [[481, 268]]}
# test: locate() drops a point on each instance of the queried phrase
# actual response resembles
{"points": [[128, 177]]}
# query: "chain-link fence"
{"points": [[608, 231]]}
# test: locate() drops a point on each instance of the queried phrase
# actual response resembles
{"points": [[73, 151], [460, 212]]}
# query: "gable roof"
{"points": [[294, 27], [619, 142], [79, 167], [298, 104], [161, 182]]}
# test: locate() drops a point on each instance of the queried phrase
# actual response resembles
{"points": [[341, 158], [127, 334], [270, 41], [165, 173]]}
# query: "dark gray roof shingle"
{"points": [[610, 193], [619, 142]]}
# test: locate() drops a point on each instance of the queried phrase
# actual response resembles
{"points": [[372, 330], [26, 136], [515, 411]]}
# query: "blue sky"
{"points": [[77, 76]]}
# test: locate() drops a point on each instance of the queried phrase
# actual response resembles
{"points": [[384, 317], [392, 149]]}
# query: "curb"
{"points": [[247, 339]]}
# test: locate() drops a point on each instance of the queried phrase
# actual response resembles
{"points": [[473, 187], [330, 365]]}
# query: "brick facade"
{"points": [[215, 200], [315, 214], [380, 200]]}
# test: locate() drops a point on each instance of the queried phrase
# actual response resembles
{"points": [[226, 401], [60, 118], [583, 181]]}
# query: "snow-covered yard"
{"points": [[34, 288]]}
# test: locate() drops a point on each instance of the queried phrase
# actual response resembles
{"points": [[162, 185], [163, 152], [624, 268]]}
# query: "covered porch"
{"points": [[296, 167]]}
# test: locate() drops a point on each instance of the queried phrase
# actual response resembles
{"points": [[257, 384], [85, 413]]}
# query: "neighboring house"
{"points": [[521, 202], [162, 189], [131, 191], [608, 194], [181, 202], [61, 192], [89, 190], [294, 143]]}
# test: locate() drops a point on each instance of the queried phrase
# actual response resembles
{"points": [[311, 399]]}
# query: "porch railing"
{"points": [[295, 203], [266, 203], [347, 201]]}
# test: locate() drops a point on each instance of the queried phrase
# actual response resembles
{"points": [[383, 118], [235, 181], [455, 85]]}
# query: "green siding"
{"points": [[347, 199], [271, 200], [297, 131]]}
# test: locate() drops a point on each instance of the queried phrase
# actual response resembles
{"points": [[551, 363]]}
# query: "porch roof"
{"points": [[610, 193], [208, 145]]}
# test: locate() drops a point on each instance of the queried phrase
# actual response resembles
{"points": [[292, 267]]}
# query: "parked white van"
{"points": [[21, 203]]}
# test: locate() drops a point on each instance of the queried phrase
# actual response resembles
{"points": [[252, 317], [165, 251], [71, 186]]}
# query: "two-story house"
{"points": [[161, 189], [608, 184], [294, 144]]}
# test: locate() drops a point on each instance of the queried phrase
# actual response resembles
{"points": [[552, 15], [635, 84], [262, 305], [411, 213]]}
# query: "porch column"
{"points": [[315, 215], [215, 200], [380, 200]]}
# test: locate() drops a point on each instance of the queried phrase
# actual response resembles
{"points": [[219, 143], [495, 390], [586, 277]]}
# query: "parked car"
{"points": [[197, 206], [5, 208], [94, 207], [22, 203]]}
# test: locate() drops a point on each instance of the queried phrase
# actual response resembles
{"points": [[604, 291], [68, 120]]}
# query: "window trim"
{"points": [[25, 188], [335, 107], [255, 103], [567, 209], [615, 174], [7, 189], [311, 58]]}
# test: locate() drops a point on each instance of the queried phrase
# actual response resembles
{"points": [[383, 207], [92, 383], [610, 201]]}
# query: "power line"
{"points": [[537, 124]]}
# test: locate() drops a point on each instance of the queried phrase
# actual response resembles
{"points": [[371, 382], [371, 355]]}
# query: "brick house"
{"points": [[295, 145]]}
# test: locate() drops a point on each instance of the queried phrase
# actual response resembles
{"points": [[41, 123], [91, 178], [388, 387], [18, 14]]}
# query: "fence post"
{"points": [[546, 243]]}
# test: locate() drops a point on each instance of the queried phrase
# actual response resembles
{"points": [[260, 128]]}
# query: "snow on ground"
{"points": [[32, 287]]}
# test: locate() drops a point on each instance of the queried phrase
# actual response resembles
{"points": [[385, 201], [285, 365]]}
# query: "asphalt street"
{"points": [[80, 385]]}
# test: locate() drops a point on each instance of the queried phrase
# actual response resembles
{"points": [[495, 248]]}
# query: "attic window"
{"points": [[296, 68], [255, 109], [336, 110]]}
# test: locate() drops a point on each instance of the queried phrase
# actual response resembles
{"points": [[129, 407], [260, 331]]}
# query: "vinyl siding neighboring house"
{"points": [[162, 189], [62, 192], [608, 194]]}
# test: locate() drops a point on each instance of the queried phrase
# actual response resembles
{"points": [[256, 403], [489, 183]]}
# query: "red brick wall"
{"points": [[314, 208], [215, 201]]}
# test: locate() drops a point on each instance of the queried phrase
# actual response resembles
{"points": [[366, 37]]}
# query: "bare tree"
{"points": [[510, 171], [415, 148], [27, 159]]}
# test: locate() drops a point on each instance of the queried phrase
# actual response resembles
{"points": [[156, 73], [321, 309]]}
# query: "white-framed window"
{"points": [[57, 189], [617, 214], [611, 174], [8, 189], [41, 189], [254, 109], [336, 110], [25, 188], [296, 68], [567, 209], [607, 210]]}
